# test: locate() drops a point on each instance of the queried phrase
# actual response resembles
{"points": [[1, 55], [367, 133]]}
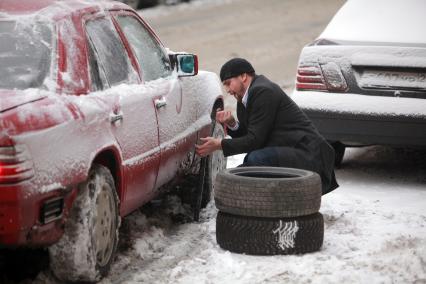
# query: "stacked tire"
{"points": [[269, 211]]}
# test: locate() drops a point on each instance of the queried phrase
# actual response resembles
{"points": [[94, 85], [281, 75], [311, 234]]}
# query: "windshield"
{"points": [[25, 54]]}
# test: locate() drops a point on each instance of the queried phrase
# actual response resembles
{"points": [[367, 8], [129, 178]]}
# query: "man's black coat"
{"points": [[272, 119]]}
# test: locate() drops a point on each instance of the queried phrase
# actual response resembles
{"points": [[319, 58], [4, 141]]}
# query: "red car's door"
{"points": [[133, 117], [177, 137], [175, 113]]}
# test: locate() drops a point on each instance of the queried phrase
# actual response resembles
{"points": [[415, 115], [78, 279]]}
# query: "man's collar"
{"points": [[245, 97]]}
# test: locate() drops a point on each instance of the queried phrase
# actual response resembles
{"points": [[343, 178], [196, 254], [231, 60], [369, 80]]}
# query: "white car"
{"points": [[363, 80]]}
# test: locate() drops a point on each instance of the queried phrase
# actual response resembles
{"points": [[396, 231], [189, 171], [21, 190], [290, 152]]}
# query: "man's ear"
{"points": [[244, 77]]}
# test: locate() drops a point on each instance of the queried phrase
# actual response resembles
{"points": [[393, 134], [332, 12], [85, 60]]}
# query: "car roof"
{"points": [[54, 8], [379, 21], [24, 6]]}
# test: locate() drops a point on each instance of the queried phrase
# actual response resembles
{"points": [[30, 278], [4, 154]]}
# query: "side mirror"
{"points": [[186, 64]]}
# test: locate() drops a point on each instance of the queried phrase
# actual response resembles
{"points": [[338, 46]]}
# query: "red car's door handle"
{"points": [[114, 117], [160, 103]]}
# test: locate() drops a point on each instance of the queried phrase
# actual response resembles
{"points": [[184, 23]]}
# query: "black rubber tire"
{"points": [[339, 152], [87, 248], [216, 162], [268, 192], [260, 236]]}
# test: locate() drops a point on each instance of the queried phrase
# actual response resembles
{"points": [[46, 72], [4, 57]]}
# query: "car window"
{"points": [[109, 51], [25, 54], [152, 59], [97, 83]]}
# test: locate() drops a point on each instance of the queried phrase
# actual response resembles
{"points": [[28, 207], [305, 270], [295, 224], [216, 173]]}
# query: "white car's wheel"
{"points": [[339, 152], [87, 248]]}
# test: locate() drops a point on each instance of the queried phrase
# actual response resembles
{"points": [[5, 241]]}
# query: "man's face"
{"points": [[235, 87]]}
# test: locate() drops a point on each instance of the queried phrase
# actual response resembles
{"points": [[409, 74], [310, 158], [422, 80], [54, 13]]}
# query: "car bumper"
{"points": [[21, 216], [361, 119]]}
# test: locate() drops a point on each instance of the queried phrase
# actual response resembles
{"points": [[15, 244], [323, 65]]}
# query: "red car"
{"points": [[95, 117]]}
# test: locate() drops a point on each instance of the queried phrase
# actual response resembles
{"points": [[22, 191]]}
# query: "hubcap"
{"points": [[105, 225], [217, 159]]}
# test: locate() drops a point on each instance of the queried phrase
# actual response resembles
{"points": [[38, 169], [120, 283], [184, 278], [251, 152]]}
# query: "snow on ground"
{"points": [[375, 232]]}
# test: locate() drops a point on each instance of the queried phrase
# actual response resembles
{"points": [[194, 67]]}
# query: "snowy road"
{"points": [[269, 33], [375, 232], [375, 223]]}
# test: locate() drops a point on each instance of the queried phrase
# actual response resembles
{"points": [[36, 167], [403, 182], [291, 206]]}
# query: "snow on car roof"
{"points": [[53, 8], [379, 21], [24, 6]]}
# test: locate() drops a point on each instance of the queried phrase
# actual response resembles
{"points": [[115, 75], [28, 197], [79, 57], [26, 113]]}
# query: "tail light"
{"points": [[15, 164], [325, 77], [310, 78]]}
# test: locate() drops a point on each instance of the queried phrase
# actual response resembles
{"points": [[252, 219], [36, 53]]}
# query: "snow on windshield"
{"points": [[25, 54], [398, 21]]}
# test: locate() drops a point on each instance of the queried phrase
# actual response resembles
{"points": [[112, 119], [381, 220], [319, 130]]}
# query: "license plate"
{"points": [[390, 79]]}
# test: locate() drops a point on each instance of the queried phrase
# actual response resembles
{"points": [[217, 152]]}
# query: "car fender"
{"points": [[206, 90]]}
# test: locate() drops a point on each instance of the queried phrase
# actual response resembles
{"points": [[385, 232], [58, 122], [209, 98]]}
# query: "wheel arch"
{"points": [[219, 103], [110, 158]]}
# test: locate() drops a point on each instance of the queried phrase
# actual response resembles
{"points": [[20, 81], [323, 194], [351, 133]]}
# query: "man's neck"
{"points": [[247, 83]]}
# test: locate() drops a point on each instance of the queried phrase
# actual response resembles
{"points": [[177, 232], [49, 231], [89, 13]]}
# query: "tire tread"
{"points": [[253, 235]]}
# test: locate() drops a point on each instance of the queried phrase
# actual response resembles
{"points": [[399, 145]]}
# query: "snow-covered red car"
{"points": [[95, 117], [363, 80]]}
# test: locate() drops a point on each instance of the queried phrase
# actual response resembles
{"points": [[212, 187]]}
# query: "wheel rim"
{"points": [[217, 159], [105, 225]]}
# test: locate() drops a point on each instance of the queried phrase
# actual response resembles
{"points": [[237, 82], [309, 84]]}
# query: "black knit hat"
{"points": [[235, 67]]}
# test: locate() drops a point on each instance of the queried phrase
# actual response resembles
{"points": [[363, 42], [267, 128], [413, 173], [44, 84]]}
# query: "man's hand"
{"points": [[210, 144], [225, 117]]}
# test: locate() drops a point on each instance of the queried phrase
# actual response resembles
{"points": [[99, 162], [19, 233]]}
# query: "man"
{"points": [[270, 128]]}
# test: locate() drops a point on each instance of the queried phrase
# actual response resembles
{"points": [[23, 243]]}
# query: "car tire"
{"points": [[269, 236], [216, 163], [339, 152], [88, 246], [268, 192]]}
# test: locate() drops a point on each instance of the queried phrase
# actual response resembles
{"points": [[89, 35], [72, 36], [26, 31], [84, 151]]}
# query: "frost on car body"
{"points": [[83, 92]]}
